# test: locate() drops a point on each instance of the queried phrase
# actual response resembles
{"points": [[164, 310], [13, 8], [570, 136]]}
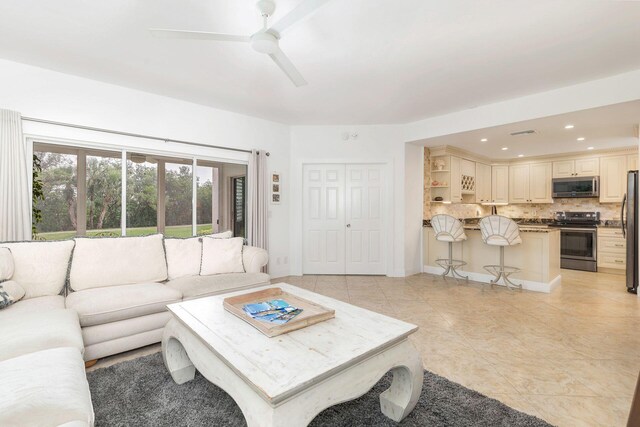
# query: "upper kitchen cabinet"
{"points": [[500, 184], [632, 162], [483, 183], [540, 183], [468, 181], [613, 178], [530, 183], [578, 167], [519, 184]]}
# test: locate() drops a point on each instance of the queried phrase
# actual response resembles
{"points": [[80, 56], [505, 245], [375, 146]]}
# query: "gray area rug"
{"points": [[141, 392]]}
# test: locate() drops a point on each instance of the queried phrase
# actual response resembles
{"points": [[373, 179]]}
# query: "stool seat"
{"points": [[450, 230], [501, 231]]}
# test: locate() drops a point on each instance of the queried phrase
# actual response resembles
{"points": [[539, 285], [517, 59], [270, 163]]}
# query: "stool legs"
{"points": [[502, 271], [451, 265]]}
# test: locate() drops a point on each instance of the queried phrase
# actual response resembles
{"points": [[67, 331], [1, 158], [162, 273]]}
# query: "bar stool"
{"points": [[449, 229], [501, 231]]}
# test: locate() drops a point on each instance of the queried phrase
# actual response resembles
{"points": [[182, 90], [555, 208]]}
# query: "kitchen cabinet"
{"points": [[613, 181], [530, 183], [483, 183], [612, 250], [519, 184], [578, 167], [632, 162], [456, 182], [540, 183], [500, 184]]}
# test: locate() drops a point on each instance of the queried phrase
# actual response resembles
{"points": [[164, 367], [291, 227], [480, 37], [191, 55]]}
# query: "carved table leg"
{"points": [[175, 357], [400, 399]]}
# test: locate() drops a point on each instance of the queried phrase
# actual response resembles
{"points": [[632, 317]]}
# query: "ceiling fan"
{"points": [[265, 40]]}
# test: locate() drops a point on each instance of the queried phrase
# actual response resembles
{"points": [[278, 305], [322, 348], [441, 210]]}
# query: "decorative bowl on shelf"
{"points": [[437, 199]]}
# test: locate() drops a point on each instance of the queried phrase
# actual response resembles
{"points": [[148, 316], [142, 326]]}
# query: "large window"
{"points": [[60, 188], [83, 194], [103, 194]]}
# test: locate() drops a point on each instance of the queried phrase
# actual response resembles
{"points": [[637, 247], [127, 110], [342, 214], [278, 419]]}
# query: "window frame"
{"points": [[83, 146]]}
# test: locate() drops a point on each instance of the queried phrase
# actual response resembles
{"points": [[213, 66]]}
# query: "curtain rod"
{"points": [[134, 135]]}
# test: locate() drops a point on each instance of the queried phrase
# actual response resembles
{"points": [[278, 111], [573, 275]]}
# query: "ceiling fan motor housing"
{"points": [[264, 42], [266, 7]]}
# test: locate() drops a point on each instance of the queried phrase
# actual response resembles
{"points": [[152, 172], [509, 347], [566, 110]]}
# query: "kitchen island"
{"points": [[538, 256]]}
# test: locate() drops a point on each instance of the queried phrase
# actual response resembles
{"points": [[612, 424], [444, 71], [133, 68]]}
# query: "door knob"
{"points": [[348, 225]]}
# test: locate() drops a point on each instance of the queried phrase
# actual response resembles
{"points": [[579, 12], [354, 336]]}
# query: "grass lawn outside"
{"points": [[170, 231]]}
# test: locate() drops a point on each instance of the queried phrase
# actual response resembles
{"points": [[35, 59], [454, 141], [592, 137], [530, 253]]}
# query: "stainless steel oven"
{"points": [[578, 248], [578, 239], [587, 186]]}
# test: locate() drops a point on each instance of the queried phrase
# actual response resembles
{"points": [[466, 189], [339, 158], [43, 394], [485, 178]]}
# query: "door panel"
{"points": [[500, 184], [363, 213], [519, 184], [323, 219], [540, 183]]}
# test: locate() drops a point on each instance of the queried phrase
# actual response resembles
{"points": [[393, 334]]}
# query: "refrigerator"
{"points": [[629, 223]]}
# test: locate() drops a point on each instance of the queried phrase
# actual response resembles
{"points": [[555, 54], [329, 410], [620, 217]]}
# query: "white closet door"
{"points": [[324, 219], [364, 210]]}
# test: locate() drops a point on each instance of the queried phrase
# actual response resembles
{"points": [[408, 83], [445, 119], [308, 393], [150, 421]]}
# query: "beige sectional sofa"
{"points": [[89, 298]]}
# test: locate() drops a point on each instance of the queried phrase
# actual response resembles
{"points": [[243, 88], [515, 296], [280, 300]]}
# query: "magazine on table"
{"points": [[276, 311]]}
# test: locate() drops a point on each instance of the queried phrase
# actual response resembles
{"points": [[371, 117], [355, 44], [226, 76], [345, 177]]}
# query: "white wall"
{"points": [[413, 204], [374, 144], [40, 93], [597, 93]]}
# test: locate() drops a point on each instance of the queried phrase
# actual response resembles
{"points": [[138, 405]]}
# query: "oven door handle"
{"points": [[593, 230]]}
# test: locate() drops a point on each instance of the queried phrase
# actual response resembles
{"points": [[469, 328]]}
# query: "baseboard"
{"points": [[487, 278]]}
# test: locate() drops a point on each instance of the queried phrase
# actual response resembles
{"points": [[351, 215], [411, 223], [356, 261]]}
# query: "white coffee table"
{"points": [[291, 378]]}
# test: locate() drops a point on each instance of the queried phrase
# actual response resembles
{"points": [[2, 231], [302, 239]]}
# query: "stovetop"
{"points": [[576, 219]]}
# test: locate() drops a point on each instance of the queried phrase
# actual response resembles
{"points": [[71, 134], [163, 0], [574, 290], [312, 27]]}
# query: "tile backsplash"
{"points": [[608, 211]]}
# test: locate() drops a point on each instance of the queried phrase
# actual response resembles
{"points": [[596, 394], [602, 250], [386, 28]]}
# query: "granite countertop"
{"points": [[525, 225]]}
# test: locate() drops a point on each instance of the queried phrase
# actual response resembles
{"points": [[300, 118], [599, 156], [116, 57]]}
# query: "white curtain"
{"points": [[15, 195], [258, 200]]}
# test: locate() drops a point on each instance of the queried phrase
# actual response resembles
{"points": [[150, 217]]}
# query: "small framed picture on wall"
{"points": [[275, 188]]}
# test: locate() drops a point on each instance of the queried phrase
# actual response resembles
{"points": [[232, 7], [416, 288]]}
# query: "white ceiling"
{"points": [[366, 61], [602, 128]]}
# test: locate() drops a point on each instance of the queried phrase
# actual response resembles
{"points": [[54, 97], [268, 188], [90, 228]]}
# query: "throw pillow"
{"points": [[183, 257], [220, 256], [224, 235], [6, 264], [10, 292]]}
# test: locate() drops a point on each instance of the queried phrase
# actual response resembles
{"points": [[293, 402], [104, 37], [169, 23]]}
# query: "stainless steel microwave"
{"points": [[586, 186]]}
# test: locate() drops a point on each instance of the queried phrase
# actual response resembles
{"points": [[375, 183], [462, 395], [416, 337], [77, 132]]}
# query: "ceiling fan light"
{"points": [[264, 43]]}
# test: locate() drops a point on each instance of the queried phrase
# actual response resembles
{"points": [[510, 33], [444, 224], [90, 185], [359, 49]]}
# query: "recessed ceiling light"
{"points": [[484, 140], [569, 127], [589, 148], [520, 155], [580, 139], [505, 148]]}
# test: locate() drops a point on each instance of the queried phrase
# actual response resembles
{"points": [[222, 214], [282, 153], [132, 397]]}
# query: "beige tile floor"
{"points": [[570, 357]]}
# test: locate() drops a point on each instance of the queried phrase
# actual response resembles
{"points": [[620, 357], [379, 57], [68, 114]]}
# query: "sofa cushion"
{"points": [[31, 332], [32, 305], [200, 286], [40, 267], [112, 303], [221, 256], [183, 256], [46, 388], [100, 262], [10, 293], [6, 264]]}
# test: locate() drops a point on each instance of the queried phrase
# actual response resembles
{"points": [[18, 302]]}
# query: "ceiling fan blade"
{"points": [[289, 69], [298, 13], [197, 35]]}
